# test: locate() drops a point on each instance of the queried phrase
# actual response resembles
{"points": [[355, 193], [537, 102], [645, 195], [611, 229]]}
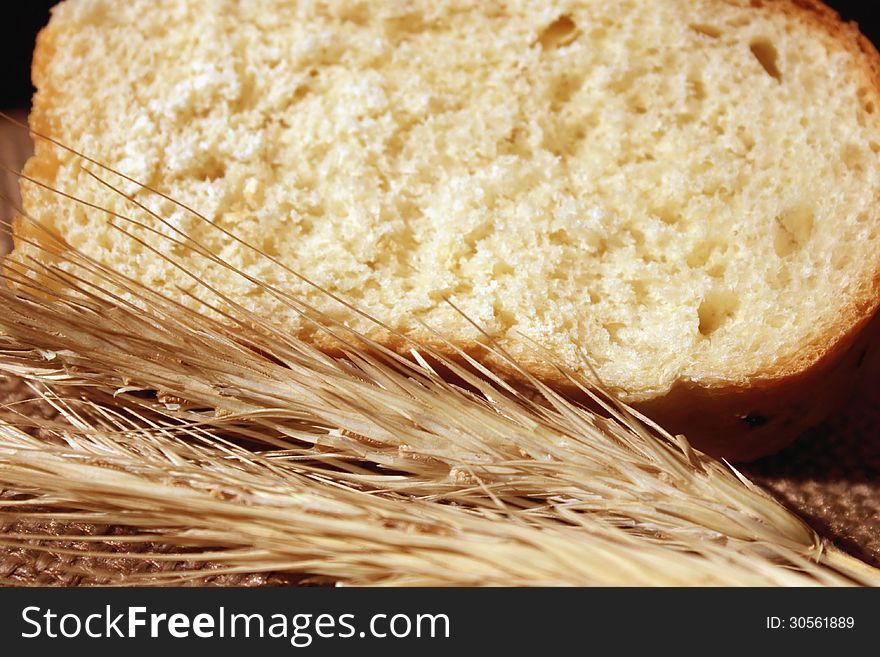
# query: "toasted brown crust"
{"points": [[738, 420], [742, 423]]}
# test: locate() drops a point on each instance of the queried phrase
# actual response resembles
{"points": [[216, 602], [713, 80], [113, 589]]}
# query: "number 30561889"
{"points": [[811, 622]]}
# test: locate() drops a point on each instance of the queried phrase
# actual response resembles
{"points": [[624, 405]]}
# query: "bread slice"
{"points": [[683, 192]]}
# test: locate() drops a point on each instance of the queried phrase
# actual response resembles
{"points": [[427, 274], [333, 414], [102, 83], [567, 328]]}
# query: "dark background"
{"points": [[26, 19]]}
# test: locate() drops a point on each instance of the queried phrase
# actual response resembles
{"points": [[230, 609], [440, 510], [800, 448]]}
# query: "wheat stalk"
{"points": [[262, 453]]}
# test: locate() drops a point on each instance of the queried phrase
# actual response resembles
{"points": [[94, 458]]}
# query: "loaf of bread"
{"points": [[679, 194]]}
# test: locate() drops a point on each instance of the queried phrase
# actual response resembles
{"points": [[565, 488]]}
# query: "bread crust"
{"points": [[735, 419]]}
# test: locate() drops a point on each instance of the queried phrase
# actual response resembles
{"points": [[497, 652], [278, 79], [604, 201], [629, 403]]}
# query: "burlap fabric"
{"points": [[831, 475]]}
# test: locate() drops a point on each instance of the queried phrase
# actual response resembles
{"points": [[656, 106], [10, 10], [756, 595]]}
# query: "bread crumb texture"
{"points": [[675, 189]]}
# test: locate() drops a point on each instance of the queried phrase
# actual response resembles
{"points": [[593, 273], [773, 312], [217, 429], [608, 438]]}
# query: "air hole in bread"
{"points": [[502, 268], [841, 259], [559, 237], [211, 169], [765, 52], [559, 33], [853, 157], [640, 291], [793, 229], [717, 308], [668, 214], [696, 88], [699, 255], [505, 318], [614, 329], [563, 88], [627, 81], [867, 104], [300, 92], [706, 30], [357, 13], [401, 26]]}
